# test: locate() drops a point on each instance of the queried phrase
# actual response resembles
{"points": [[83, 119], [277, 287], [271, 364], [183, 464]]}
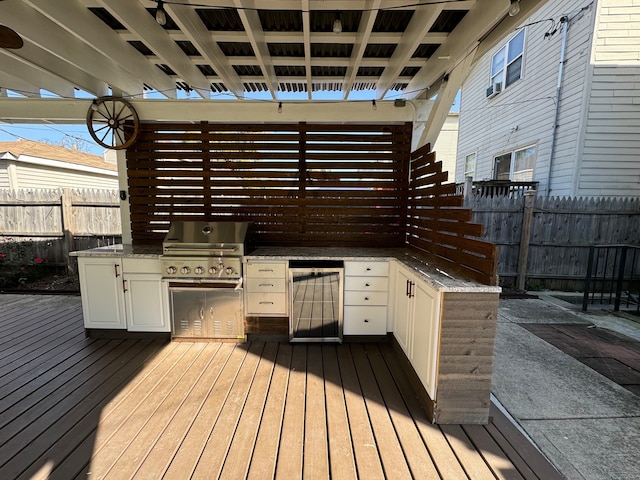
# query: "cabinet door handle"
{"points": [[411, 290], [124, 286], [116, 269], [408, 289], [366, 320]]}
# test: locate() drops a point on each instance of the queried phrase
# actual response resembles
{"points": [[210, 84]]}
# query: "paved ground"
{"points": [[586, 424]]}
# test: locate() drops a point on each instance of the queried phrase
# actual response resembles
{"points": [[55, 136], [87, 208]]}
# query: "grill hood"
{"points": [[183, 236]]}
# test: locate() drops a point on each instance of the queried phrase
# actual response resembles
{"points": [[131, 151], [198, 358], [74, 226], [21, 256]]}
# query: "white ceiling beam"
{"points": [[30, 73], [332, 5], [189, 22], [486, 16], [445, 98], [43, 59], [49, 36], [79, 21], [17, 85], [306, 35], [255, 34], [421, 21], [136, 18], [362, 39], [298, 37], [25, 110]]}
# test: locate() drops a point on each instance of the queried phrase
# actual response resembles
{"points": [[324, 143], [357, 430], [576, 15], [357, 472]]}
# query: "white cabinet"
{"points": [[266, 289], [417, 325], [366, 296], [123, 293], [145, 295], [101, 289]]}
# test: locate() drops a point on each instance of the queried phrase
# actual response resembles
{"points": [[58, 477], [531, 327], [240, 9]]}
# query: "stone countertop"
{"points": [[120, 250], [436, 277]]}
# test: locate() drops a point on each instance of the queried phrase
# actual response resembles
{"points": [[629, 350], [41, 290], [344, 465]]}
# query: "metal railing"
{"points": [[613, 276], [495, 188]]}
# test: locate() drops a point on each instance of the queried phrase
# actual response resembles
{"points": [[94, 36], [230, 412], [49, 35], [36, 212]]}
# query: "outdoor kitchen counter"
{"points": [[119, 250], [437, 278]]}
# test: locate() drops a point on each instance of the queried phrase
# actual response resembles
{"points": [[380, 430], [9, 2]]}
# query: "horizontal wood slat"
{"points": [[313, 185], [446, 234]]}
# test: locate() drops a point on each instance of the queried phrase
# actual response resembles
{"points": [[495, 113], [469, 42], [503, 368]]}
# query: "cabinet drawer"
{"points": [[140, 265], [367, 269], [266, 270], [266, 285], [266, 303], [365, 320], [367, 284], [365, 298]]}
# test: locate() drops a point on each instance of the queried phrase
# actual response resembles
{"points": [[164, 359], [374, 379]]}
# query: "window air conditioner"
{"points": [[494, 89]]}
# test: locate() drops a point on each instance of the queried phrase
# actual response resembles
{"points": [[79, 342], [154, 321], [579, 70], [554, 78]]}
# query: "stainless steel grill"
{"points": [[204, 250], [202, 265]]}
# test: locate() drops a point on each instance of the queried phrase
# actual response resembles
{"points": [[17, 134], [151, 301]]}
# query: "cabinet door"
{"points": [[426, 333], [101, 290], [145, 303], [401, 312]]}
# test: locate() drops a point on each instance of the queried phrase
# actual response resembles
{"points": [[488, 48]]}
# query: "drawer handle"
{"points": [[367, 285], [265, 270], [266, 284], [366, 320], [266, 303], [366, 298], [368, 269]]}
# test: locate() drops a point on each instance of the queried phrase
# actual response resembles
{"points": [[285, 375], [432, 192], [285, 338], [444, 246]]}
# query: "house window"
{"points": [[506, 65], [516, 166], [470, 165]]}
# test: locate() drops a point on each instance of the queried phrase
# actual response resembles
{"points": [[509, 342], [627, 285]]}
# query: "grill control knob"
{"points": [[171, 270], [229, 270], [212, 271], [185, 270], [198, 270]]}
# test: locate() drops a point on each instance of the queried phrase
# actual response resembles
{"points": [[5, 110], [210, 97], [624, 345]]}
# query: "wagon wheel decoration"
{"points": [[113, 122]]}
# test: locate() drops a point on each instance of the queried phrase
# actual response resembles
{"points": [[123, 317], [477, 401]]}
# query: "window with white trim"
{"points": [[506, 65], [516, 166], [470, 165]]}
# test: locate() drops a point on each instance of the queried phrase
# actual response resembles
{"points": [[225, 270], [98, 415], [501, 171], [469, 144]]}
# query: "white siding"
{"points": [[523, 114], [4, 174], [446, 145], [610, 165], [38, 176]]}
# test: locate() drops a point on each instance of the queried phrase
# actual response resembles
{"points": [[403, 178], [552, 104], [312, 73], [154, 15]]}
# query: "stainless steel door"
{"points": [[200, 312]]}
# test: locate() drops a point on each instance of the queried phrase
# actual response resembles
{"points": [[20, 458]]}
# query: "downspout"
{"points": [[565, 24]]}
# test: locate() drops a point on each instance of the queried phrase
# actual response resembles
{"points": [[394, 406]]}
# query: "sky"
{"points": [[68, 135]]}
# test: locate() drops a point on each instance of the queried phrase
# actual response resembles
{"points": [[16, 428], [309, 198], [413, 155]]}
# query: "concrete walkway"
{"points": [[587, 425]]}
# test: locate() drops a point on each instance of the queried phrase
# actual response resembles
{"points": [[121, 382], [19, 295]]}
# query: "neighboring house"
{"points": [[446, 145], [29, 164], [568, 118]]}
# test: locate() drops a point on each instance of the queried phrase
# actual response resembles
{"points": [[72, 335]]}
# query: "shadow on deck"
{"points": [[75, 407]]}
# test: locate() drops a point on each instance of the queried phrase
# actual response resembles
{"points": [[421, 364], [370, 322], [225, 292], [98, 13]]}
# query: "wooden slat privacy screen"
{"points": [[301, 184], [437, 225]]}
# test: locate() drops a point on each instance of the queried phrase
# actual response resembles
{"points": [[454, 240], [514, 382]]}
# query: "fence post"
{"points": [[523, 255], [67, 224], [468, 187]]}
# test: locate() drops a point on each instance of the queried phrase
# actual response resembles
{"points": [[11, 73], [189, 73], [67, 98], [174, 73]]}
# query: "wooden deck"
{"points": [[73, 407]]}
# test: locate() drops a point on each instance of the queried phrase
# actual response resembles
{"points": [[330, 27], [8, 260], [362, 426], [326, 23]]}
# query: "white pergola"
{"points": [[420, 52]]}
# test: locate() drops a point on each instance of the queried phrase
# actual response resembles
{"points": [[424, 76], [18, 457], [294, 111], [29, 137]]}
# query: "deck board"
{"points": [[78, 407]]}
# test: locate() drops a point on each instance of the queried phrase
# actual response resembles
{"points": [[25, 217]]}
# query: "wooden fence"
{"points": [[57, 221], [544, 242]]}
